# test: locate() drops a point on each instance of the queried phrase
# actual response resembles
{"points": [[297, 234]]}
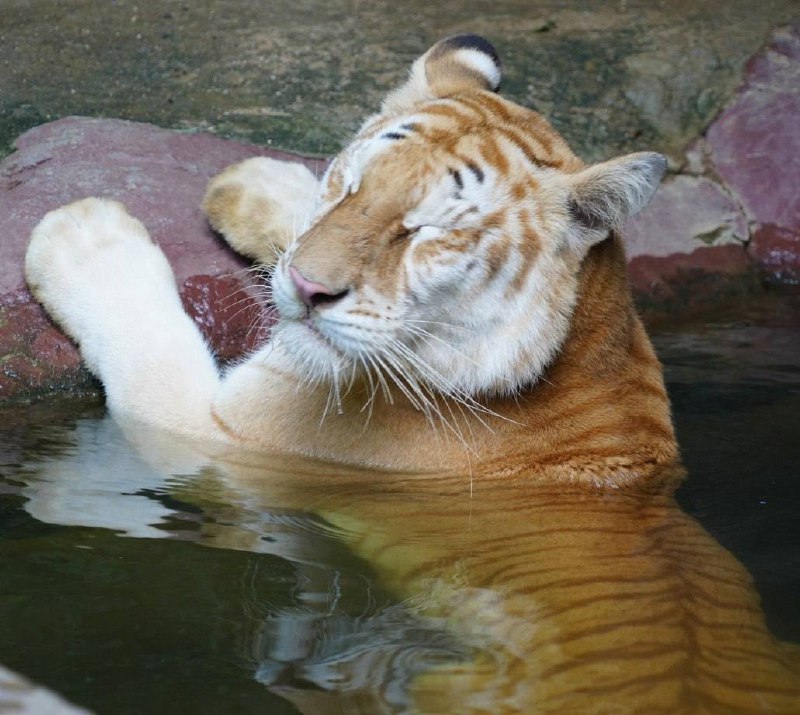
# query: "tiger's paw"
{"points": [[261, 205], [92, 265]]}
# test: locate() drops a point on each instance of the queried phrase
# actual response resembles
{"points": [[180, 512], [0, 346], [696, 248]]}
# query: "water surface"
{"points": [[295, 587]]}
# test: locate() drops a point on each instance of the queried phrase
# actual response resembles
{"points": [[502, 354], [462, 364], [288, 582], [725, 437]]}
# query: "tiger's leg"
{"points": [[99, 275], [260, 205]]}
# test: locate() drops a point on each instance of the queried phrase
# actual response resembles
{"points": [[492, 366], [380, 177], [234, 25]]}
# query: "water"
{"points": [[735, 391], [295, 587]]}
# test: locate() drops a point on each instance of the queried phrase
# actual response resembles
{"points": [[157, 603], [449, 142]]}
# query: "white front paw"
{"points": [[92, 265]]}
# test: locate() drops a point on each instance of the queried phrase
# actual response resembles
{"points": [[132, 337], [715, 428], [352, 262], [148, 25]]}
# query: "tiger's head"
{"points": [[446, 244]]}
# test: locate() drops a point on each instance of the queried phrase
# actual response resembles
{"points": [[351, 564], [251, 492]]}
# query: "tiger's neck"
{"points": [[599, 415]]}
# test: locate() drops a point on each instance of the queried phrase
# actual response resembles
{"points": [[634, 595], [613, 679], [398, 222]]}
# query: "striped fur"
{"points": [[515, 597], [455, 318], [460, 211]]}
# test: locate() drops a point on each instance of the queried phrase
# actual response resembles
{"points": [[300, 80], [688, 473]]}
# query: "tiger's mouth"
{"points": [[306, 335], [319, 337]]}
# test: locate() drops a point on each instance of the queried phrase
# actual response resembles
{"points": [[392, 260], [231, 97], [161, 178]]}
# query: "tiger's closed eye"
{"points": [[405, 232], [426, 232], [423, 232]]}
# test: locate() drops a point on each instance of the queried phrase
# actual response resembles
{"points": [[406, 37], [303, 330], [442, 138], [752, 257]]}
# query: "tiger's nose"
{"points": [[311, 293]]}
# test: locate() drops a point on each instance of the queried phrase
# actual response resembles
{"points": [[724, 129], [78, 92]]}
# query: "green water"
{"points": [[132, 591]]}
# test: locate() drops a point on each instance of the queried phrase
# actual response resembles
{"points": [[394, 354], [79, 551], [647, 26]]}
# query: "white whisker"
{"points": [[431, 403]]}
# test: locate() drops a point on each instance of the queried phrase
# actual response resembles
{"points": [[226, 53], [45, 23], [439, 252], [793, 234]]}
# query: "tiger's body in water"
{"points": [[453, 309]]}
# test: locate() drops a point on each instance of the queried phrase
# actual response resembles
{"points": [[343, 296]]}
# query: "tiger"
{"points": [[454, 321], [514, 597]]}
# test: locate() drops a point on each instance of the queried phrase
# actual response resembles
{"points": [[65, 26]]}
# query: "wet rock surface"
{"points": [[737, 187], [754, 147]]}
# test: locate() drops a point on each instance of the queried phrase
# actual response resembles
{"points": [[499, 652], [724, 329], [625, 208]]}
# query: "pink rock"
{"points": [[777, 251], [160, 176], [692, 230], [34, 354], [702, 273], [755, 143], [231, 316], [687, 213]]}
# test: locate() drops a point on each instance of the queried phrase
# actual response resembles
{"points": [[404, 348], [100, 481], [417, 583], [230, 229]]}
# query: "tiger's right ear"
{"points": [[455, 65], [604, 196]]}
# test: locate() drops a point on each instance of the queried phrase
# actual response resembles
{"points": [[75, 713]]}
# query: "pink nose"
{"points": [[311, 293]]}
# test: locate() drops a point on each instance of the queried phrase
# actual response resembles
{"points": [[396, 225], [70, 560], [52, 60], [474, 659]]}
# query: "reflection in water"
{"points": [[355, 663], [476, 595]]}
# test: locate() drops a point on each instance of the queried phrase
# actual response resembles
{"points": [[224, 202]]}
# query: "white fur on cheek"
{"points": [[490, 334], [487, 341], [428, 233]]}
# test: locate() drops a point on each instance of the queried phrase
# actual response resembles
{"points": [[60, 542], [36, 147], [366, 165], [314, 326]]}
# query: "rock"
{"points": [[613, 77], [691, 228], [754, 147], [228, 312], [752, 151], [668, 284], [687, 213], [776, 250], [695, 161], [161, 176]]}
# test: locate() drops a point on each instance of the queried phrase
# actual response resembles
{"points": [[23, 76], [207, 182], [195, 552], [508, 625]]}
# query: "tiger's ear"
{"points": [[604, 196], [455, 65]]}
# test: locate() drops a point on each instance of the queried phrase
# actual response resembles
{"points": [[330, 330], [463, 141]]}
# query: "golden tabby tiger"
{"points": [[454, 308]]}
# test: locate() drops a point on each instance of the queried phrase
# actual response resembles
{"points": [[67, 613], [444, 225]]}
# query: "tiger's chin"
{"points": [[318, 359], [387, 367]]}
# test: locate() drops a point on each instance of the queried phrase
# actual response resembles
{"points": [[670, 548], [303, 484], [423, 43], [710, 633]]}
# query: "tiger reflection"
{"points": [[513, 598]]}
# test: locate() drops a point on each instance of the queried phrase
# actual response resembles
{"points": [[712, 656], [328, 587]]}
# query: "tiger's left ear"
{"points": [[604, 196], [455, 65]]}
